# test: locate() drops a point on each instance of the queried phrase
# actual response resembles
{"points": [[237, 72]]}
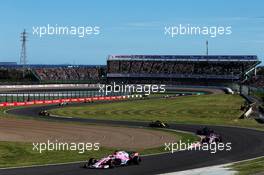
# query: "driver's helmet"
{"points": [[115, 152]]}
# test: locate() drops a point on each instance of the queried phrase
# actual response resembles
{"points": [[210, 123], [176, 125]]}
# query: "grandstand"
{"points": [[177, 69], [68, 73], [51, 73], [258, 79], [167, 69]]}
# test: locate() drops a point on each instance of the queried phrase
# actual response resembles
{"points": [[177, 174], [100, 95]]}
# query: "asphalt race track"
{"points": [[246, 143]]}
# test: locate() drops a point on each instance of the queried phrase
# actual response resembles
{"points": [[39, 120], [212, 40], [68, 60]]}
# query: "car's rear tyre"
{"points": [[85, 165], [198, 132], [206, 140], [111, 163], [218, 140], [136, 160], [91, 161]]}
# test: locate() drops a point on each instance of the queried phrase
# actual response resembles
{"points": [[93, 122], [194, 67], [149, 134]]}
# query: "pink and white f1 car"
{"points": [[209, 136], [118, 158]]}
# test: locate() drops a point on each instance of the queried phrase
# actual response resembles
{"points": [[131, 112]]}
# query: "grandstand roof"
{"points": [[47, 65], [242, 58]]}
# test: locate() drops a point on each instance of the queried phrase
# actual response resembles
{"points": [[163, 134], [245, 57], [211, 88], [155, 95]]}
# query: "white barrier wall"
{"points": [[248, 112], [49, 86], [85, 99]]}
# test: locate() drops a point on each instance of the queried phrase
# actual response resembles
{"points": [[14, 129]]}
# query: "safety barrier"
{"points": [[49, 86], [248, 112], [87, 99]]}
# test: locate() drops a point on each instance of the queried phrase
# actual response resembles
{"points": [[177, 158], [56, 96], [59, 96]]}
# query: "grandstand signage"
{"points": [[123, 75], [185, 57]]}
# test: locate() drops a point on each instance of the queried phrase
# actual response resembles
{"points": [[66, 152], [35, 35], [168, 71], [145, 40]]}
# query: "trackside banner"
{"points": [[84, 99]]}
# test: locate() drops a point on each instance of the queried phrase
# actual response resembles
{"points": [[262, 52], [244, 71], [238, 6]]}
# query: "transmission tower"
{"points": [[206, 47], [23, 55]]}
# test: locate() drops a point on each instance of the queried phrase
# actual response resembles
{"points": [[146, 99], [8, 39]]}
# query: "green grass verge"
{"points": [[15, 154], [183, 136], [173, 93], [216, 109], [249, 167]]}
